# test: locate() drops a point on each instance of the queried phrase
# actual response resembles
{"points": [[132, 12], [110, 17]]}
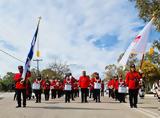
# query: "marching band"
{"points": [[70, 87]]}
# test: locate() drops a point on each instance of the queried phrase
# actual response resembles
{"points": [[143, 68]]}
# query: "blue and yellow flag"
{"points": [[31, 52]]}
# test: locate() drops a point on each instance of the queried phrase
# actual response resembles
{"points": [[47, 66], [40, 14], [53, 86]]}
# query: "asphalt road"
{"points": [[108, 108]]}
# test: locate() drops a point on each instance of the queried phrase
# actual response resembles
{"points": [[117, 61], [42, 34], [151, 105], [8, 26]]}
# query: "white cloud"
{"points": [[64, 29]]}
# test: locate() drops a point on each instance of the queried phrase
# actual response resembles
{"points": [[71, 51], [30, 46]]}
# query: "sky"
{"points": [[87, 34]]}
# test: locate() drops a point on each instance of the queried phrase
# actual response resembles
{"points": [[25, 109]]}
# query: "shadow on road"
{"points": [[68, 108], [149, 107]]}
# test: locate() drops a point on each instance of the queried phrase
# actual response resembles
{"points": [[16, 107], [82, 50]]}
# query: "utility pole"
{"points": [[38, 54]]}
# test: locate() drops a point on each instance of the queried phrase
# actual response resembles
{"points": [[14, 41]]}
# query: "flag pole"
{"points": [[142, 61], [30, 54]]}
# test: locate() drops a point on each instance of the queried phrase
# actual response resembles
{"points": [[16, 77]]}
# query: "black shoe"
{"points": [[24, 106], [135, 106], [18, 106], [131, 106]]}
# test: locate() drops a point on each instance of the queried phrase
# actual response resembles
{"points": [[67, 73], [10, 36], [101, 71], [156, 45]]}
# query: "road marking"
{"points": [[148, 113]]}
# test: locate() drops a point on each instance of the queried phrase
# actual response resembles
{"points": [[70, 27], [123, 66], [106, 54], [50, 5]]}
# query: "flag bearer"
{"points": [[132, 81], [20, 87]]}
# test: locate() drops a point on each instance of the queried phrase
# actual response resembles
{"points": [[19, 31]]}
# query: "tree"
{"points": [[48, 72], [56, 70], [7, 82], [148, 8], [112, 70], [156, 44], [151, 73], [59, 69], [155, 58]]}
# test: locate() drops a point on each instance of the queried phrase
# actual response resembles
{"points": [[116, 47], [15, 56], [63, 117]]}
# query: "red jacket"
{"points": [[132, 80], [53, 84], [84, 81], [17, 79], [91, 87], [75, 86], [102, 86], [111, 83], [46, 85]]}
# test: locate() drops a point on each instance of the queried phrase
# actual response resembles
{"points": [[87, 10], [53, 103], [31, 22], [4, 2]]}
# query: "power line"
{"points": [[11, 56]]}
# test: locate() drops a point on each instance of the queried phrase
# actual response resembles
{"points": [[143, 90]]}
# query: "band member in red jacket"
{"points": [[116, 85], [122, 94], [73, 81], [58, 84], [37, 88], [46, 87], [67, 87], [76, 89], [132, 81], [28, 86], [97, 86], [84, 82], [111, 87], [91, 89], [102, 88], [53, 89], [20, 87]]}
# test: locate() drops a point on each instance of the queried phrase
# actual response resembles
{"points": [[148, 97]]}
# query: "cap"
{"points": [[20, 67], [132, 66]]}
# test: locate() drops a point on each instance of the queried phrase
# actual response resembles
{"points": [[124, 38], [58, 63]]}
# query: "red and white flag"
{"points": [[138, 45]]}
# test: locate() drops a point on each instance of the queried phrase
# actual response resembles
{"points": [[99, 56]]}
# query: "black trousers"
{"points": [[19, 92], [67, 96], [72, 94], [91, 94], [60, 93], [76, 93], [102, 92], [133, 97], [84, 94], [53, 93], [97, 95], [122, 97], [116, 95], [111, 93], [38, 95], [46, 94]]}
